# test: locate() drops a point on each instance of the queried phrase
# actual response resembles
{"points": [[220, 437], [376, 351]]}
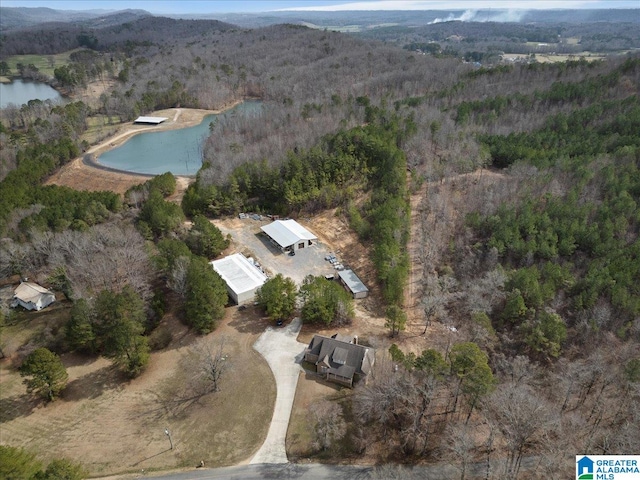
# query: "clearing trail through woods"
{"points": [[437, 210]]}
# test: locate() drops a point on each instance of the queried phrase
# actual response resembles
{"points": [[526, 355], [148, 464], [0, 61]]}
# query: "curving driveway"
{"points": [[283, 354]]}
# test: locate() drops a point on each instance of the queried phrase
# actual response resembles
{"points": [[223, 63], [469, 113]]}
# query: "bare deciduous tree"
{"points": [[438, 292], [459, 443], [200, 372], [393, 472], [330, 426], [521, 416], [209, 361], [177, 280]]}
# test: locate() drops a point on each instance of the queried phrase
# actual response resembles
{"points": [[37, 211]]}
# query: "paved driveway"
{"points": [[283, 354]]}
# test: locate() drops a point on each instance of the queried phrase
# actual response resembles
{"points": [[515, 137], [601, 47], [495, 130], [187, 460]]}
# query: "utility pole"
{"points": [[168, 434]]}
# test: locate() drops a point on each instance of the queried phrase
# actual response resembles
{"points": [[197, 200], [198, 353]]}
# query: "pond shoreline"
{"points": [[86, 173], [181, 118]]}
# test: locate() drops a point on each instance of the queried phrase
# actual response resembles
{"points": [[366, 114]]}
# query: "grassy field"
{"points": [[114, 425], [547, 57], [100, 128], [45, 63]]}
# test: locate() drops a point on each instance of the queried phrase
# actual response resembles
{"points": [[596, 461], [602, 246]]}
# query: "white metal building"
{"points": [[289, 235], [242, 277], [150, 120], [32, 296], [353, 284]]}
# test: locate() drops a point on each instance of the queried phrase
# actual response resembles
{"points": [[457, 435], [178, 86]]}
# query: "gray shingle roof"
{"points": [[357, 358]]}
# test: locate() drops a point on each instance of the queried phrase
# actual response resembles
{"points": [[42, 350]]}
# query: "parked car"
{"points": [[279, 322]]}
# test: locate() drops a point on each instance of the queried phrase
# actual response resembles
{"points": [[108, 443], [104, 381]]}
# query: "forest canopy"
{"points": [[496, 203]]}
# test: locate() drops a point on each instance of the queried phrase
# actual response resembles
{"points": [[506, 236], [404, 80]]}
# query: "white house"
{"points": [[289, 235], [32, 296], [242, 277]]}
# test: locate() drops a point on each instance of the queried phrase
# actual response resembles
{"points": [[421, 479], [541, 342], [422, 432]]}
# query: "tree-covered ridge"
{"points": [[580, 83], [601, 128], [570, 241], [598, 239], [140, 30]]}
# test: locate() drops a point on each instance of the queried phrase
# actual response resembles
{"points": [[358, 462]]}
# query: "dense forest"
{"points": [[528, 183]]}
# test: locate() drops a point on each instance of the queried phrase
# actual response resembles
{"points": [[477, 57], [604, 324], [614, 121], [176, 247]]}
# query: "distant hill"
{"points": [[365, 20], [19, 17], [115, 18], [103, 33], [14, 18]]}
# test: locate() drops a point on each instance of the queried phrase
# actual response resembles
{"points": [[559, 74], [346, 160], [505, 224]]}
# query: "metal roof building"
{"points": [[353, 283], [150, 120], [241, 276], [32, 296], [289, 234]]}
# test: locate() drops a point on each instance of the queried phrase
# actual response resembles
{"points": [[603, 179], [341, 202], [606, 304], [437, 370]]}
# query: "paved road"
{"points": [[288, 471], [314, 471], [283, 354]]}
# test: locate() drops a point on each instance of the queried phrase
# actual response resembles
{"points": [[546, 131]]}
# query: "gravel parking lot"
{"points": [[251, 241]]}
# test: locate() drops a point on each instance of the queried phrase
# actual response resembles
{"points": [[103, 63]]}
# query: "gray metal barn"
{"points": [[350, 280], [289, 235]]}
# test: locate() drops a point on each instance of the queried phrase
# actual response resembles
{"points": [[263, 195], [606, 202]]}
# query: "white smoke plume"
{"points": [[511, 15]]}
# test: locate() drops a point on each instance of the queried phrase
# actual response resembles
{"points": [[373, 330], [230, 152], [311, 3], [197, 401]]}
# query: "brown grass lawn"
{"points": [[300, 435], [114, 425]]}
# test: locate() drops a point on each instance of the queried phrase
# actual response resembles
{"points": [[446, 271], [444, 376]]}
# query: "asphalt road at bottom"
{"points": [[316, 471], [266, 471]]}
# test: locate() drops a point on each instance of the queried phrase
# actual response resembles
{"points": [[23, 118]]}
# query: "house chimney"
{"points": [[355, 340]]}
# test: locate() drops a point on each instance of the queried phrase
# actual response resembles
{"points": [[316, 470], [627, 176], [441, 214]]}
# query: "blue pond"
{"points": [[175, 151], [19, 92]]}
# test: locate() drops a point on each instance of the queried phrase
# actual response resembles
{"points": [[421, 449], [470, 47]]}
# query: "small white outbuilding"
{"points": [[242, 277], [32, 296], [150, 120]]}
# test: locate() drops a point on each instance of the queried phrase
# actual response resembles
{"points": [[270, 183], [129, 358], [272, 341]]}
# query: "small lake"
{"points": [[21, 91], [176, 151]]}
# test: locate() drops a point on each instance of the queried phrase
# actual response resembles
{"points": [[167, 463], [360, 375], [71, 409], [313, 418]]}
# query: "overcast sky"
{"points": [[226, 6]]}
